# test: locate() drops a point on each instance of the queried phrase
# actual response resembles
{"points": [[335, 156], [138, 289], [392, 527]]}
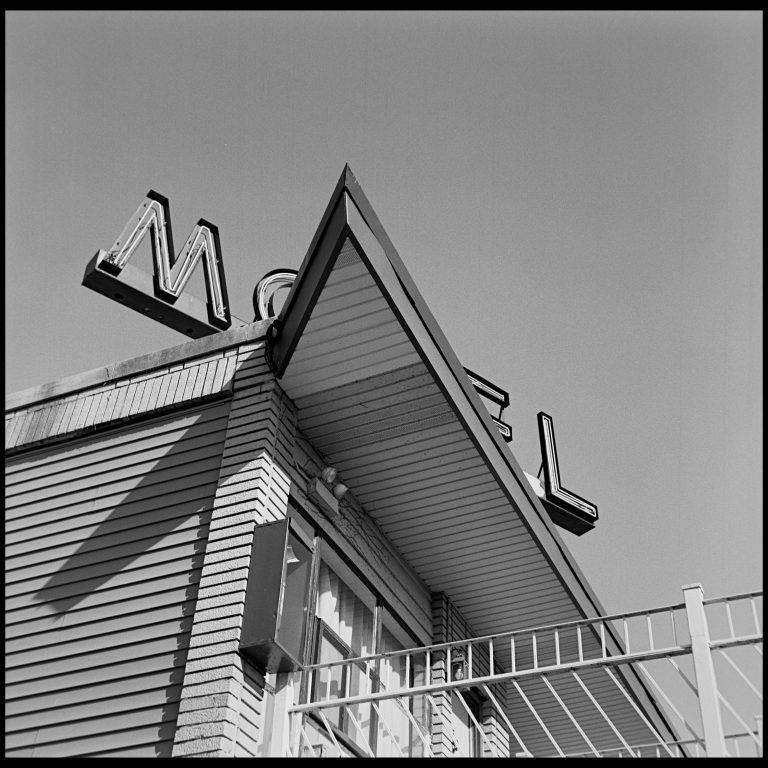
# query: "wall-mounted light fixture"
{"points": [[458, 665], [326, 492]]}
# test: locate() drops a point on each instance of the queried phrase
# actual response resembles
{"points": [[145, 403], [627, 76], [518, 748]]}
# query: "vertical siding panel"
{"points": [[98, 690], [210, 376], [42, 425], [15, 427], [88, 410], [61, 406], [74, 418], [136, 404], [181, 386], [30, 425], [129, 391], [145, 401], [173, 383], [202, 370], [113, 412]]}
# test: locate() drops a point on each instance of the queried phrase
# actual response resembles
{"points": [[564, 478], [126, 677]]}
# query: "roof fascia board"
{"points": [[282, 351], [307, 286], [135, 366]]}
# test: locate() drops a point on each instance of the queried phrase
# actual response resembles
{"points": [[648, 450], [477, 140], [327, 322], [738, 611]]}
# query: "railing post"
{"points": [[709, 702], [759, 724]]}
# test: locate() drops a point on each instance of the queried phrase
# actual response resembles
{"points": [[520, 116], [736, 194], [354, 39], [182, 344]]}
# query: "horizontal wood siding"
{"points": [[105, 541], [223, 699], [249, 725]]}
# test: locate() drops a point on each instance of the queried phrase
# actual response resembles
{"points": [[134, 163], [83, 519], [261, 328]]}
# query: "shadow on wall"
{"points": [[162, 518]]}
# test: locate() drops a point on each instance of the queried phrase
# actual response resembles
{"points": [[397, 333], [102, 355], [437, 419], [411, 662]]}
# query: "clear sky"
{"points": [[577, 196]]}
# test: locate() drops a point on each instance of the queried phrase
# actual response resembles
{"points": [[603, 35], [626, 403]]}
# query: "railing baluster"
{"points": [[740, 673], [637, 709], [363, 735], [384, 685], [626, 636], [674, 626], [500, 711], [330, 730], [570, 715], [306, 738], [469, 661], [600, 710], [408, 671], [383, 722], [347, 681], [538, 719], [730, 617]]}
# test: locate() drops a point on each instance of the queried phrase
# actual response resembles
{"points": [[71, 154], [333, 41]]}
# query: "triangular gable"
{"points": [[350, 215], [350, 227]]}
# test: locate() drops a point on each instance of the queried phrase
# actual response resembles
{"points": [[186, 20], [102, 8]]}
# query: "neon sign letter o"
{"points": [[264, 294]]}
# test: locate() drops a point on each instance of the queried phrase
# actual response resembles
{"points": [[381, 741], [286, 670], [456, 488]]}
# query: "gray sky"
{"points": [[578, 197]]}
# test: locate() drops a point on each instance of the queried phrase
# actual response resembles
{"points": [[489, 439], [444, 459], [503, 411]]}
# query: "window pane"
{"points": [[333, 678], [345, 612], [346, 608], [396, 734]]}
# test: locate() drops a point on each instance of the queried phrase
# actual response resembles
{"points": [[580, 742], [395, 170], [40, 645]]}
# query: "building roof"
{"points": [[381, 394]]}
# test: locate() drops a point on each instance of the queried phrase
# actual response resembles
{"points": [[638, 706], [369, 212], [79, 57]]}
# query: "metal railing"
{"points": [[417, 702]]}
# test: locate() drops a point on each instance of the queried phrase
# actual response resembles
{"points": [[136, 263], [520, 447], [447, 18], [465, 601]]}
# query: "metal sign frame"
{"points": [[161, 295], [567, 509]]}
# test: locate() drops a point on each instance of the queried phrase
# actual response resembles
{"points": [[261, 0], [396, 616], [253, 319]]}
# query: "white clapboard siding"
{"points": [[250, 715], [105, 539]]}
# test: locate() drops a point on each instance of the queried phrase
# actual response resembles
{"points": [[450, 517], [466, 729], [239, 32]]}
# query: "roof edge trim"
{"points": [[137, 365]]}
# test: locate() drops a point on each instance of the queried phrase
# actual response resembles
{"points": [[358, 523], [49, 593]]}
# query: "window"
{"points": [[345, 617], [350, 619]]}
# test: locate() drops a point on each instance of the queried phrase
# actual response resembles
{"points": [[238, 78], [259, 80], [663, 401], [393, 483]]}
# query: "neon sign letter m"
{"points": [[172, 273]]}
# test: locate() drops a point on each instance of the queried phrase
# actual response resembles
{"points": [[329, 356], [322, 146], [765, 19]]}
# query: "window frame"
{"points": [[315, 625]]}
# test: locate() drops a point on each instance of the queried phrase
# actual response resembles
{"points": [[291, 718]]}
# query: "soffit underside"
{"points": [[369, 404]]}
